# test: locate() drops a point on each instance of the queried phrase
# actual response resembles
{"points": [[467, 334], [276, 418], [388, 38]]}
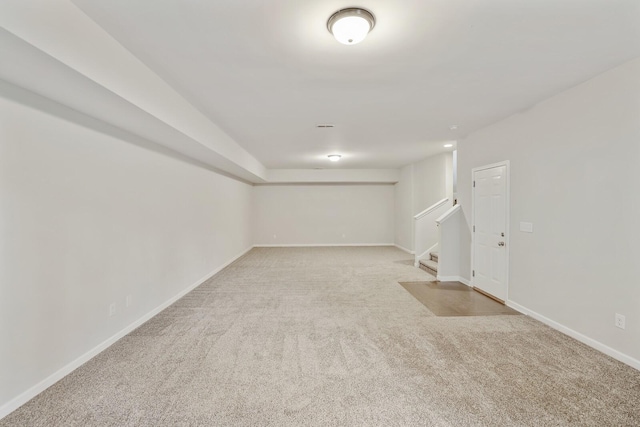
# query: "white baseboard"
{"points": [[453, 279], [321, 245], [634, 363], [32, 392], [402, 248]]}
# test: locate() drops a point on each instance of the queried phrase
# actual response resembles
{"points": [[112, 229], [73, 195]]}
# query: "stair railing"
{"points": [[425, 229]]}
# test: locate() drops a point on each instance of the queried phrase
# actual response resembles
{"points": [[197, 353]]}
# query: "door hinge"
{"points": [[474, 183], [474, 273], [474, 228]]}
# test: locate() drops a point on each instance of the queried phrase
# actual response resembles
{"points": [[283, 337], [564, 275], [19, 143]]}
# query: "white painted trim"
{"points": [[402, 248], [490, 166], [628, 360], [32, 392], [430, 209], [448, 214], [507, 165], [453, 279], [322, 245], [464, 281]]}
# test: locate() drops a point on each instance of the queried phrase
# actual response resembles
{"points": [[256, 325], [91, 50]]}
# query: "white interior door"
{"points": [[490, 226]]}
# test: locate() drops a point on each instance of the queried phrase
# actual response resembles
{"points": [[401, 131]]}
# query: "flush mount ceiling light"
{"points": [[448, 145], [351, 26], [334, 157]]}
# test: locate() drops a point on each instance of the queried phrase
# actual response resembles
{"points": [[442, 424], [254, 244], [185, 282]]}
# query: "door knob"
{"points": [[500, 243]]}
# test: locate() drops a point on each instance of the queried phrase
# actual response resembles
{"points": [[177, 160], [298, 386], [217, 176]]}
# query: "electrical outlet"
{"points": [[344, 235], [620, 321], [112, 309], [128, 301], [275, 237]]}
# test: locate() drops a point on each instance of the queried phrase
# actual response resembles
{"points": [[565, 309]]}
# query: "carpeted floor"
{"points": [[327, 336]]}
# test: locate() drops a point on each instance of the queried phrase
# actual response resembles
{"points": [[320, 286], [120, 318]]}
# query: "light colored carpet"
{"points": [[327, 336]]}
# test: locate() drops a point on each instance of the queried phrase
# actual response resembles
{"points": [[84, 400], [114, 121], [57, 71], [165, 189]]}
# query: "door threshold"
{"points": [[487, 294]]}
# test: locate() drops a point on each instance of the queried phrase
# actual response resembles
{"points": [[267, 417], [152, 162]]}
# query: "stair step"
{"points": [[429, 266], [434, 256], [428, 270]]}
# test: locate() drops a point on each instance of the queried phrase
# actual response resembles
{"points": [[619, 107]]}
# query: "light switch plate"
{"points": [[527, 227]]}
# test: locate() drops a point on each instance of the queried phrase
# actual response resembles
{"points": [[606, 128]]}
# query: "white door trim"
{"points": [[506, 164]]}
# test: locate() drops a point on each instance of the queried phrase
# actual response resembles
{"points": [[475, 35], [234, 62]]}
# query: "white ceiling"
{"points": [[267, 72]]}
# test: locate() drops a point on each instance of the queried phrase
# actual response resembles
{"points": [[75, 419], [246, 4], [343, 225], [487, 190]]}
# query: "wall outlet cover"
{"points": [[620, 321]]}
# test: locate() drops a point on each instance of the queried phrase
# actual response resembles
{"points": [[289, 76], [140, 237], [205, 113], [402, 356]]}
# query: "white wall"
{"points": [[87, 219], [432, 181], [421, 185], [404, 209], [449, 176], [575, 174], [323, 214], [450, 225]]}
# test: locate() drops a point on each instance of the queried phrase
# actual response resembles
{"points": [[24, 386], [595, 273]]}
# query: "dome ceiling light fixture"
{"points": [[334, 157], [351, 25]]}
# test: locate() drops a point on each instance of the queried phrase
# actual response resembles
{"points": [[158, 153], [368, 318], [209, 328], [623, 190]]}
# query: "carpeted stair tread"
{"points": [[433, 265]]}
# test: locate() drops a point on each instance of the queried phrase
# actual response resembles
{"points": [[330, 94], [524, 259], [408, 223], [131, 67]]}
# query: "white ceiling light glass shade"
{"points": [[351, 26], [334, 157]]}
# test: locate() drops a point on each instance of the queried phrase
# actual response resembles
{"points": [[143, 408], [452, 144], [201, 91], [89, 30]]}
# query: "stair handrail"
{"points": [[430, 209], [448, 214]]}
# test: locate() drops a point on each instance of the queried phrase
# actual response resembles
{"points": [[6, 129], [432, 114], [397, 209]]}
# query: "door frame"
{"points": [[507, 241]]}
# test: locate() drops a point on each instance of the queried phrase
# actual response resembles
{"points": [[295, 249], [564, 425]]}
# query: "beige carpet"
{"points": [[327, 336]]}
